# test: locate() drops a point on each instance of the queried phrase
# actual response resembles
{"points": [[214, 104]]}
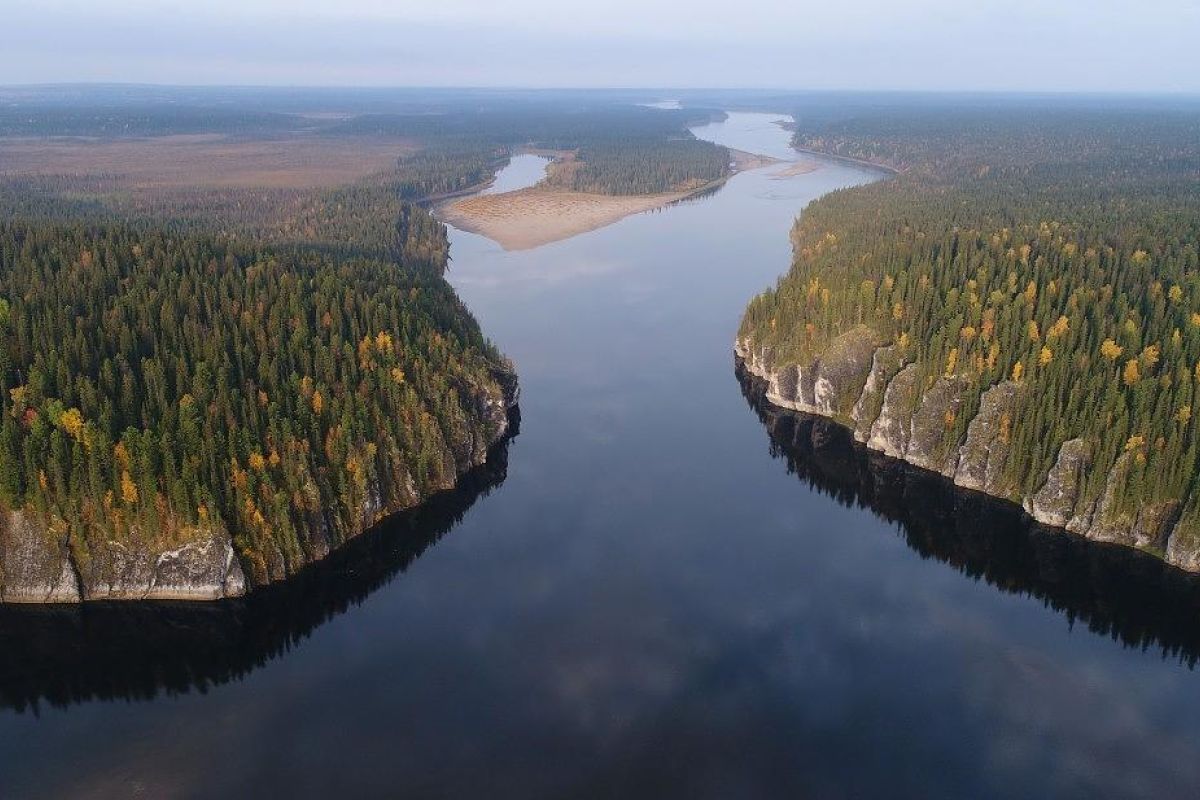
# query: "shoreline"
{"points": [[210, 571], [767, 384], [858, 162], [525, 219]]}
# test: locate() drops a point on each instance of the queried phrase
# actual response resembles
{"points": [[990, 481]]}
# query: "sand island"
{"points": [[537, 215]]}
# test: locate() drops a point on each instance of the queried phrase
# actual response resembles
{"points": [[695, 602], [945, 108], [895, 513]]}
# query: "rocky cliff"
{"points": [[1131, 596], [896, 408], [41, 562]]}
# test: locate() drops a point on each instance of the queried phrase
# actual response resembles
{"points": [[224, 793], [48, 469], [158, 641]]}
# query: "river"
{"points": [[649, 594]]}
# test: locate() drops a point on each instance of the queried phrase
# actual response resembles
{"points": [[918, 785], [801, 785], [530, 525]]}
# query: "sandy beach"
{"points": [[798, 168], [538, 215], [529, 218]]}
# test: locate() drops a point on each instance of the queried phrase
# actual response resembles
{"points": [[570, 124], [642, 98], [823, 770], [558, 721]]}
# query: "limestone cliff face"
{"points": [[41, 563], [893, 409], [37, 565], [984, 454]]}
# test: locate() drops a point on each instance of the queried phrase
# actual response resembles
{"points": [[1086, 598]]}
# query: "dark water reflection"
{"points": [[1130, 596], [60, 655]]}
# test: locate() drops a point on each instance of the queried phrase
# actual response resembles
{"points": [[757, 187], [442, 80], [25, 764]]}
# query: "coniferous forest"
{"points": [[1055, 253], [156, 383], [278, 367]]}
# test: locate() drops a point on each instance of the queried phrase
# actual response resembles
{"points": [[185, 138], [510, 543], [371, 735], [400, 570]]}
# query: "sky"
{"points": [[988, 45]]}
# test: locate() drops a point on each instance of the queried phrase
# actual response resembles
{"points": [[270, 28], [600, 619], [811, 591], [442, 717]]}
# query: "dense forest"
{"points": [[153, 384], [622, 149], [642, 167], [1056, 253]]}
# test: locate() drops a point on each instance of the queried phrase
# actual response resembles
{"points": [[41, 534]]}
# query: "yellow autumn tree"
{"points": [[129, 490], [1149, 356], [1111, 350], [1131, 375], [71, 421], [1045, 356], [1018, 371], [951, 361], [988, 326], [1059, 328]]}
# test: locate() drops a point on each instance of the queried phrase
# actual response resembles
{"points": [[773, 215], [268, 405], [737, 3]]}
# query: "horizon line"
{"points": [[1189, 93]]}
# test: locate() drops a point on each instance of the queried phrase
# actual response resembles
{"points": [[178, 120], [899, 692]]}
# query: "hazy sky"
{"points": [[1095, 45]]}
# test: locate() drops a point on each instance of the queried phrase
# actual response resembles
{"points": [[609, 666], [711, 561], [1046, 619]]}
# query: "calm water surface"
{"points": [[524, 169], [654, 592]]}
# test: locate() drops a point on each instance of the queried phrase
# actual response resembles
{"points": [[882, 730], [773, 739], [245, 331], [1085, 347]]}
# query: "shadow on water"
{"points": [[69, 654], [1131, 596]]}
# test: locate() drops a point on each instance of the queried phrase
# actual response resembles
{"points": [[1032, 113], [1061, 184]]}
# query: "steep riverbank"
{"points": [[41, 563], [889, 413]]}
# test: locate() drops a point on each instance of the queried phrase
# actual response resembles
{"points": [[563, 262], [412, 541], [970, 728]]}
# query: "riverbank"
{"points": [[882, 419], [538, 215], [529, 218], [37, 566], [799, 168]]}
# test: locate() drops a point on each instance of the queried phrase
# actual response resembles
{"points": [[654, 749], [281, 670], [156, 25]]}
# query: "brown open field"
{"points": [[215, 161]]}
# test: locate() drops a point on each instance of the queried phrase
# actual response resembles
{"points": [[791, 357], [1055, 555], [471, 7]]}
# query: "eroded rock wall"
{"points": [[40, 562], [894, 410]]}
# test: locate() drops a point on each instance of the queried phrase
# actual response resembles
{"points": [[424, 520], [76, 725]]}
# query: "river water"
{"points": [[657, 589], [524, 169]]}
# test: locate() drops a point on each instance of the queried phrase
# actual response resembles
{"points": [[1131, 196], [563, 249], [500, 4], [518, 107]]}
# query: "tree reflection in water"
{"points": [[69, 654], [1133, 597]]}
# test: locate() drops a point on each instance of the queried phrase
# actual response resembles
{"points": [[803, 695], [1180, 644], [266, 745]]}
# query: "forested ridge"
{"points": [[154, 383], [1056, 252]]}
